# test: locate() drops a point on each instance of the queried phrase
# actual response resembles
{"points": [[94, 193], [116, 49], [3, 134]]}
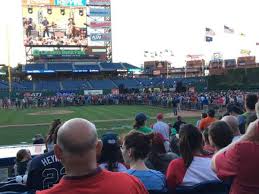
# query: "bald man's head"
{"points": [[77, 136], [232, 122]]}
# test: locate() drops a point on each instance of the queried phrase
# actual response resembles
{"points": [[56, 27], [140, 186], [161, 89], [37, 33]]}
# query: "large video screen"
{"points": [[54, 22]]}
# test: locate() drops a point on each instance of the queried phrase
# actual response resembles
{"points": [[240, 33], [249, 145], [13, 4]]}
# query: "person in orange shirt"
{"points": [[204, 123]]}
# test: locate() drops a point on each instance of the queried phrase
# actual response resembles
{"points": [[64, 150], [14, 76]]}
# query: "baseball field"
{"points": [[20, 126]]}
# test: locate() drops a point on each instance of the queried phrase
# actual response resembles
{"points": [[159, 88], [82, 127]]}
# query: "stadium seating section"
{"points": [[76, 66], [68, 84], [60, 66], [102, 84], [32, 67]]}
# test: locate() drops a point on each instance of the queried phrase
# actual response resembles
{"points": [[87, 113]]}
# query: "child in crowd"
{"points": [[23, 157]]}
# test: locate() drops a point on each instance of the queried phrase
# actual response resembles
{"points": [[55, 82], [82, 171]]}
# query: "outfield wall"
{"points": [[244, 79], [21, 94]]}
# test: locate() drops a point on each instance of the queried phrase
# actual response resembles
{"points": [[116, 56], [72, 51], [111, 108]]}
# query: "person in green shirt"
{"points": [[140, 123]]}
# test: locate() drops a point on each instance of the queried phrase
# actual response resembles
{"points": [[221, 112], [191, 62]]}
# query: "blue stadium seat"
{"points": [[210, 187], [111, 66], [157, 81], [102, 84], [27, 84], [127, 83], [170, 82], [15, 85], [145, 82], [3, 86], [75, 85], [51, 85], [60, 66], [36, 66]]}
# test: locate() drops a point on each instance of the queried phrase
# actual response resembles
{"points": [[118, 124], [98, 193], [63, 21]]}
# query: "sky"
{"points": [[152, 25]]}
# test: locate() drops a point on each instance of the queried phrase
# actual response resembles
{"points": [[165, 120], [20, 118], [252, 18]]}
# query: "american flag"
{"points": [[228, 30], [209, 32]]}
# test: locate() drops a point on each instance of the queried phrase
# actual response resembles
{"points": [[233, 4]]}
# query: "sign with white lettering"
{"points": [[100, 37], [101, 25], [100, 12], [93, 92], [99, 2]]}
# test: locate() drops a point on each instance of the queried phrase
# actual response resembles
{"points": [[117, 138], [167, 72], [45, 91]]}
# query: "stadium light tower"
{"points": [[8, 60]]}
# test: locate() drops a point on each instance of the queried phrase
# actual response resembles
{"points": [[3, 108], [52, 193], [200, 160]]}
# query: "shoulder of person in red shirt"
{"points": [[103, 182], [240, 162], [175, 173]]}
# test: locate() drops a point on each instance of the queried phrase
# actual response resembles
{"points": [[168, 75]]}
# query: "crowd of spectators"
{"points": [[177, 101], [156, 159]]}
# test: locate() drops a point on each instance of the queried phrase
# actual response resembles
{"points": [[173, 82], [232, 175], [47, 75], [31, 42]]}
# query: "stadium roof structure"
{"points": [[76, 67]]}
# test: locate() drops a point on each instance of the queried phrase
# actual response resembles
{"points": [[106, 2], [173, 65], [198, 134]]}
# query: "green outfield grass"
{"points": [[104, 117]]}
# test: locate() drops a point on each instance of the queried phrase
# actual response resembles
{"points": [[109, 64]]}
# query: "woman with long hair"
{"points": [[158, 158], [111, 157], [51, 135], [135, 149], [194, 166]]}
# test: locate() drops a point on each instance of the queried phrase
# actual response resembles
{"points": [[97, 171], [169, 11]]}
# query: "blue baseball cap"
{"points": [[110, 139], [141, 117]]}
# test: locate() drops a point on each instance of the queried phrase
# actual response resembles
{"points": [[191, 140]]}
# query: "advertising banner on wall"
{"points": [[100, 12], [32, 94], [100, 37], [39, 71], [99, 2], [86, 70], [70, 3], [101, 25], [37, 2], [99, 50], [93, 92], [57, 53], [66, 93]]}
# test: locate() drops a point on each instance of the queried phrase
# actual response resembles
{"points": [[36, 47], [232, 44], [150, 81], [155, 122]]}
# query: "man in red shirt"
{"points": [[240, 161], [76, 148]]}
